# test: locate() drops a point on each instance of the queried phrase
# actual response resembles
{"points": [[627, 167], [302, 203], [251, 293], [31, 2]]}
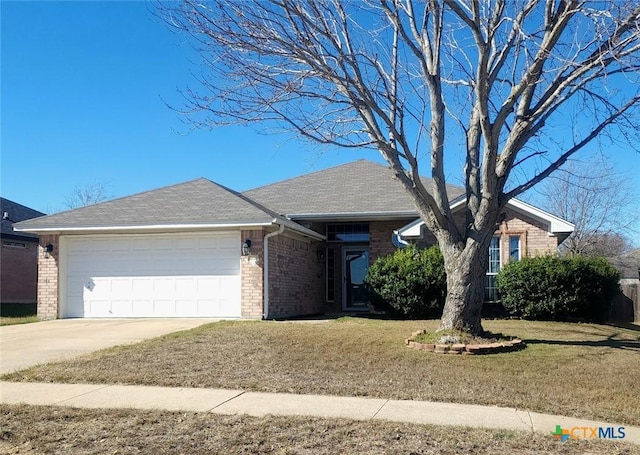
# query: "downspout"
{"points": [[265, 270], [401, 240]]}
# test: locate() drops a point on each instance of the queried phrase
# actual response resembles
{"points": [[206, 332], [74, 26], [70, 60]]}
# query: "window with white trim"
{"points": [[514, 248], [490, 291]]}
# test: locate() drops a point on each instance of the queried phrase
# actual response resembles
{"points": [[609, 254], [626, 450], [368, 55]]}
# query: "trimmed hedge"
{"points": [[558, 289], [410, 283]]}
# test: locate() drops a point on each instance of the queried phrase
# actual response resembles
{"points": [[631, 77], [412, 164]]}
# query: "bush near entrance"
{"points": [[410, 283], [558, 289]]}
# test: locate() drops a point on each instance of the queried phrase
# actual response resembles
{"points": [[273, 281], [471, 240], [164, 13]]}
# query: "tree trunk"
{"points": [[466, 271]]}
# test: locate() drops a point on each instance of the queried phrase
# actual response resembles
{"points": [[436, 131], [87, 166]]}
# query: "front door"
{"points": [[355, 262]]}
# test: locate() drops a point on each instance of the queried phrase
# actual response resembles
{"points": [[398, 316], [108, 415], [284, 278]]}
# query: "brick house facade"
{"points": [[19, 271], [19, 251], [293, 248]]}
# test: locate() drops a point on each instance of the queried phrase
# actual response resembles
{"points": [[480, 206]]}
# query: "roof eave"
{"points": [[140, 228], [293, 226], [352, 216], [556, 226]]}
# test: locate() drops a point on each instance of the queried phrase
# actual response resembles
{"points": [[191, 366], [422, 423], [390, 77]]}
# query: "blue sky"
{"points": [[83, 85]]}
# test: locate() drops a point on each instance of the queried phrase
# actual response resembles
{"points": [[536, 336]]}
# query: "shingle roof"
{"points": [[359, 187], [199, 201], [628, 264], [15, 213]]}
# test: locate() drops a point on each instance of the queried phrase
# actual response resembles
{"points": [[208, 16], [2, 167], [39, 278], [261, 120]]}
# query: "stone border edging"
{"points": [[470, 349]]}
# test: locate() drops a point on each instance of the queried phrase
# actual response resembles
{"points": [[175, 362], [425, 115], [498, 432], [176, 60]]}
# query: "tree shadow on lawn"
{"points": [[607, 343], [626, 325]]}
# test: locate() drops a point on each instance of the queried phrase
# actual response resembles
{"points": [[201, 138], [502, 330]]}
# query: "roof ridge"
{"points": [[4, 200], [361, 160], [127, 196], [247, 199]]}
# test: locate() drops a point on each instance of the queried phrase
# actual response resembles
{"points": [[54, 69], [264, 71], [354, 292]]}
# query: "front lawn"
{"points": [[581, 370], [9, 320], [17, 313], [43, 429]]}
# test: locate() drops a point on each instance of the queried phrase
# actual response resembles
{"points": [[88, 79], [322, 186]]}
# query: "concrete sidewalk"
{"points": [[222, 401]]}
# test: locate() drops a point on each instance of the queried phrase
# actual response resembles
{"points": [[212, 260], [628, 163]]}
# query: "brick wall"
{"points": [[251, 275], [48, 277], [296, 277], [380, 232], [534, 237], [19, 271]]}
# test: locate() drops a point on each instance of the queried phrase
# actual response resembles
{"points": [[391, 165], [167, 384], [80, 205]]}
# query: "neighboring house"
{"points": [[296, 247], [19, 255], [626, 307]]}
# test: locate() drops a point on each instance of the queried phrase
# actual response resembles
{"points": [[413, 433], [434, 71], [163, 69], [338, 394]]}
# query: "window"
{"points": [[490, 291], [354, 232], [514, 248], [9, 244], [331, 271]]}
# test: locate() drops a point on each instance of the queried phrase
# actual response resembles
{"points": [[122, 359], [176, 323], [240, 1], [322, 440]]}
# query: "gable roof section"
{"points": [[198, 203], [628, 264], [555, 226], [16, 213], [358, 189]]}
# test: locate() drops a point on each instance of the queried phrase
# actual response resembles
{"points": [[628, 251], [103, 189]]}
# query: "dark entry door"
{"points": [[355, 264]]}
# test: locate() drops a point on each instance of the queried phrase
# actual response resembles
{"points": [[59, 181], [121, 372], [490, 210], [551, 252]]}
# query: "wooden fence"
{"points": [[626, 306]]}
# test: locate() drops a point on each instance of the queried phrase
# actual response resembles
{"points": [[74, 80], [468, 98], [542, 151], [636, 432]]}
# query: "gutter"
{"points": [[400, 238], [352, 216], [265, 270], [153, 227]]}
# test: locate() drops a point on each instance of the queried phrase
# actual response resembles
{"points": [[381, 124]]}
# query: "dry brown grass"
{"points": [[42, 430], [11, 320], [581, 370]]}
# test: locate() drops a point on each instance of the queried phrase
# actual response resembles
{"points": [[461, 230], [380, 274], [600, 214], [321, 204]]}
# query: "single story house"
{"points": [[19, 271], [626, 307], [197, 249]]}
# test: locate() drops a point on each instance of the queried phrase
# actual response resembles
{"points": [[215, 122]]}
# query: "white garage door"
{"points": [[177, 275]]}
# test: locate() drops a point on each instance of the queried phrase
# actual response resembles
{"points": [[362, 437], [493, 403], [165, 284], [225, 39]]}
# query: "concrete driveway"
{"points": [[25, 345]]}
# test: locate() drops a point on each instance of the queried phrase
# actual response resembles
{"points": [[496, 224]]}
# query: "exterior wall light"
{"points": [[246, 247], [48, 248]]}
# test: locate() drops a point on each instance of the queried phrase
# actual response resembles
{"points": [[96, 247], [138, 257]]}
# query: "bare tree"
{"points": [[598, 201], [491, 83], [90, 194]]}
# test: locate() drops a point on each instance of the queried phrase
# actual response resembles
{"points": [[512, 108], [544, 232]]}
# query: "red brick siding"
{"points": [[381, 232], [19, 272], [48, 277], [251, 275], [534, 237], [296, 277]]}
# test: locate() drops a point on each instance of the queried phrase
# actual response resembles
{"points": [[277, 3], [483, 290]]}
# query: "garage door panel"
{"points": [[141, 287], [153, 275], [120, 286], [164, 308], [121, 308], [227, 307], [142, 307], [187, 305], [97, 308]]}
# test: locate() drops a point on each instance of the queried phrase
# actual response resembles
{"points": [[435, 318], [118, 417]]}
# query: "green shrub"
{"points": [[559, 289], [411, 283]]}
